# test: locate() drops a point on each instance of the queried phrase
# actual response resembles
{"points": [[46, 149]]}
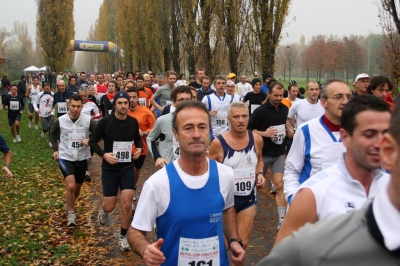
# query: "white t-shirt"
{"points": [[180, 82], [155, 196], [243, 89], [336, 192], [305, 111], [296, 100]]}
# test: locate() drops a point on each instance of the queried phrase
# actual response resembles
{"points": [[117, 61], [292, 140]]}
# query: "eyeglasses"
{"points": [[340, 97], [181, 100]]}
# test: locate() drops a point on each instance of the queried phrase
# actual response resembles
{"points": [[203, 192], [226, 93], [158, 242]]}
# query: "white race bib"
{"points": [[253, 107], [75, 141], [199, 252], [62, 107], [176, 148], [220, 119], [123, 151], [280, 136], [142, 101], [243, 180], [14, 105]]}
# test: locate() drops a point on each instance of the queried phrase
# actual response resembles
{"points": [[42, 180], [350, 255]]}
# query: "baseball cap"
{"points": [[230, 82], [292, 81], [362, 76], [84, 85], [192, 77], [121, 94], [231, 75]]}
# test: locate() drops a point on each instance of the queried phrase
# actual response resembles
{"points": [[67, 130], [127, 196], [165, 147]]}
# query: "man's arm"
{"points": [[7, 157], [258, 142], [36, 103], [154, 102], [230, 231], [302, 210], [95, 137], [215, 151], [54, 131], [150, 253]]}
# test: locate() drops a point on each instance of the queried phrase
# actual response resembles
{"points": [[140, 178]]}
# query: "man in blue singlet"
{"points": [[191, 200], [241, 150]]}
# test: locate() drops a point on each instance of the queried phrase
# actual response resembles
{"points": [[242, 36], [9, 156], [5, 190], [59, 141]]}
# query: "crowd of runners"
{"points": [[327, 150]]}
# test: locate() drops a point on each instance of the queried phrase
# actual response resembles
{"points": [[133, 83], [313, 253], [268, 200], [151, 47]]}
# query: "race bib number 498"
{"points": [[123, 151]]}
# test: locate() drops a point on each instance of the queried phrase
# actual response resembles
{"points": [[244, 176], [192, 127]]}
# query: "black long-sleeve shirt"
{"points": [[111, 129]]}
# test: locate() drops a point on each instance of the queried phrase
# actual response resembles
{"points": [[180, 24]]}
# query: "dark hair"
{"points": [[204, 77], [379, 81], [113, 81], [274, 84], [34, 77], [189, 104], [265, 76], [132, 89], [357, 105], [171, 72], [292, 85], [394, 128], [119, 76], [72, 77], [82, 73], [140, 77], [76, 97], [180, 75], [254, 81], [180, 89], [22, 77], [302, 90]]}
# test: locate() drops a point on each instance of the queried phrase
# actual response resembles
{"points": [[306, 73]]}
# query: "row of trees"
{"points": [[217, 35]]}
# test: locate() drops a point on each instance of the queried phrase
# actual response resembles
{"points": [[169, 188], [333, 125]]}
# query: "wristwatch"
{"points": [[259, 173], [236, 240], [8, 165]]}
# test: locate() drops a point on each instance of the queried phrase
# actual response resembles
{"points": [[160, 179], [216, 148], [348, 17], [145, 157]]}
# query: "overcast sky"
{"points": [[313, 17]]}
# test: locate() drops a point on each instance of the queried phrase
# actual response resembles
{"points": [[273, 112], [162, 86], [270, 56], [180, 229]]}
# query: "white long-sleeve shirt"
{"points": [[45, 102]]}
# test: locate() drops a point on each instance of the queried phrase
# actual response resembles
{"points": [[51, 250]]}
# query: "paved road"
{"points": [[262, 237]]}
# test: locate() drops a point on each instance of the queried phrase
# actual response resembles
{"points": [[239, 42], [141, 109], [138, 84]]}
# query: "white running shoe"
{"points": [[123, 243], [42, 135], [30, 124], [279, 223], [103, 217], [18, 138], [71, 219], [14, 140], [134, 195], [36, 127], [51, 145]]}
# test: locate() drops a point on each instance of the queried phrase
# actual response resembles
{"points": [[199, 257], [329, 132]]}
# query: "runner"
{"points": [[317, 143], [270, 122], [73, 151], [255, 97], [72, 87], [119, 132], [14, 103], [145, 94], [60, 99], [168, 148], [7, 157], [243, 87], [230, 90], [381, 86], [171, 199], [355, 179], [205, 89], [33, 90], [44, 105], [241, 149], [106, 101], [164, 92], [146, 122], [89, 107]]}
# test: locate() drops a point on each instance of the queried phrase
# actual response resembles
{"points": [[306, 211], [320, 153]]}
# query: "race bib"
{"points": [[14, 105], [220, 119], [253, 107], [62, 107], [280, 136], [199, 252], [168, 102], [123, 151], [244, 180], [176, 148], [75, 141], [142, 101]]}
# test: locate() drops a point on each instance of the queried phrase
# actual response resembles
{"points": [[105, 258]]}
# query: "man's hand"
{"points": [[238, 253], [137, 153], [55, 156], [213, 112], [260, 181], [290, 132], [85, 142], [270, 132], [152, 255], [7, 171], [160, 162], [110, 158]]}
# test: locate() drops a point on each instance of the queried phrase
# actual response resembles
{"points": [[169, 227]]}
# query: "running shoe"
{"points": [[18, 138], [30, 124], [134, 195], [272, 188], [71, 219], [87, 177], [51, 145], [103, 217], [42, 135], [279, 224], [14, 140], [123, 243], [36, 127]]}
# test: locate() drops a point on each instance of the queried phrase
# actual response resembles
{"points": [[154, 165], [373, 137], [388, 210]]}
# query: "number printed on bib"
{"points": [[244, 181], [62, 107], [176, 148], [280, 135], [199, 252], [142, 101], [14, 105], [123, 151], [220, 119], [253, 107], [75, 141]]}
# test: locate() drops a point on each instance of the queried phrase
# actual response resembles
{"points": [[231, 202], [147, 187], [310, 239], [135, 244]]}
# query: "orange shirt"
{"points": [[287, 102], [146, 122], [144, 97]]}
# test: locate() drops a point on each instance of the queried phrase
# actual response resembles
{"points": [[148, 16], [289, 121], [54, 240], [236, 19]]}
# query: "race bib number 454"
{"points": [[75, 141], [123, 151]]}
